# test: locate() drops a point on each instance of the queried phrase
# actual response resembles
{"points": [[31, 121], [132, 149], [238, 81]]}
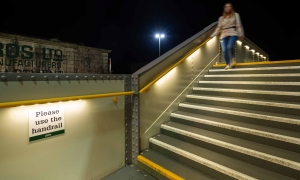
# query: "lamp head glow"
{"points": [[253, 50], [159, 35], [239, 42], [247, 47]]}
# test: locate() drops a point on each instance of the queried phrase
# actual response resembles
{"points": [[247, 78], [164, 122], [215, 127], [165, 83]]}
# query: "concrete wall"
{"points": [[92, 146], [164, 96]]}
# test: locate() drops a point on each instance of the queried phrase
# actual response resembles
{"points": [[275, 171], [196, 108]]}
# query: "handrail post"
{"points": [[246, 54], [235, 51], [220, 52]]}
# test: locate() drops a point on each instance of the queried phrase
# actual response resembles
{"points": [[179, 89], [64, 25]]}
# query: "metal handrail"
{"points": [[60, 99], [145, 88]]}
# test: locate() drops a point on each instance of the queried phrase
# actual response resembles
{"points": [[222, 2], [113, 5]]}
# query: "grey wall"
{"points": [[92, 146], [164, 96]]}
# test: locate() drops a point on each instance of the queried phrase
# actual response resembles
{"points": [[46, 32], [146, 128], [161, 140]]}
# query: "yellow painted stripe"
{"points": [[173, 66], [50, 100], [258, 63], [159, 169]]}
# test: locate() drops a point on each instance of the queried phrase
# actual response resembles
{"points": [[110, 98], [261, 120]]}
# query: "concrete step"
{"points": [[214, 164], [287, 77], [131, 172], [253, 85], [256, 70], [280, 121], [292, 108], [279, 138], [274, 159], [169, 167], [261, 64], [244, 93]]}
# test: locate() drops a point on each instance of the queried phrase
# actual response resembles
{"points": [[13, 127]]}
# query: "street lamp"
{"points": [[159, 36]]}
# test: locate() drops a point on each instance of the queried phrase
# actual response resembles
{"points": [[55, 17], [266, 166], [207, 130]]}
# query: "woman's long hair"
{"points": [[232, 12]]}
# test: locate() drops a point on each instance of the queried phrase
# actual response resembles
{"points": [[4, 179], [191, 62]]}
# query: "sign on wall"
{"points": [[46, 122]]}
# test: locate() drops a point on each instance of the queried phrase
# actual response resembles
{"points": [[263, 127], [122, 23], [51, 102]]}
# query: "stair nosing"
{"points": [[240, 149], [245, 114], [169, 168], [252, 83], [167, 173], [245, 101], [203, 161], [274, 136], [261, 63], [247, 91], [255, 75], [257, 69]]}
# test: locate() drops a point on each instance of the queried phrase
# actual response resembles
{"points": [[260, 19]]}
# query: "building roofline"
{"points": [[44, 41]]}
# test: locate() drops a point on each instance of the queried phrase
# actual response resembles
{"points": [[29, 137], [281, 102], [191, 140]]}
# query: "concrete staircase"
{"points": [[242, 123]]}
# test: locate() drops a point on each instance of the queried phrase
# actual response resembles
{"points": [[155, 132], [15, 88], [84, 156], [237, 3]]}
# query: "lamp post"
{"points": [[159, 36]]}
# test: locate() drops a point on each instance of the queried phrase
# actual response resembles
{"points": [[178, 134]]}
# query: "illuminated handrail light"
{"points": [[239, 42], [252, 50], [247, 47]]}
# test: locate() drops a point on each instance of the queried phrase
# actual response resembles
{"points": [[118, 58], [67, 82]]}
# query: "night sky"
{"points": [[128, 27]]}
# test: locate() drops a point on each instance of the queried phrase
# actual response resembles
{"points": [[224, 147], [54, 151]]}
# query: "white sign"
{"points": [[46, 122]]}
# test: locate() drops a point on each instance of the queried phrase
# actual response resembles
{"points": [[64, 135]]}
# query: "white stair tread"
{"points": [[267, 153], [252, 83], [256, 75], [221, 163], [247, 91], [253, 129], [291, 119], [247, 101], [258, 68]]}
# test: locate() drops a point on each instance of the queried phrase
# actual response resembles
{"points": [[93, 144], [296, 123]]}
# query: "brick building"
{"points": [[33, 55]]}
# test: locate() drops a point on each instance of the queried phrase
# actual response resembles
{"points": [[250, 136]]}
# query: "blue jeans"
{"points": [[227, 44]]}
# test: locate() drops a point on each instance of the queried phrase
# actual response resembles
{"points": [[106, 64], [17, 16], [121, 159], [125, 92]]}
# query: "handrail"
{"points": [[195, 79], [252, 44], [60, 99], [145, 88]]}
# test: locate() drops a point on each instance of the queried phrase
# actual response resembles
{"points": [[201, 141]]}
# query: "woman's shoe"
{"points": [[232, 64], [227, 67]]}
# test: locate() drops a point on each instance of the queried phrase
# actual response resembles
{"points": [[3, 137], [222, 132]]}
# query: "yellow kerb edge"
{"points": [[257, 63], [159, 169], [50, 100]]}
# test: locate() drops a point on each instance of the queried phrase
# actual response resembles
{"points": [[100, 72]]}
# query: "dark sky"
{"points": [[128, 27]]}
